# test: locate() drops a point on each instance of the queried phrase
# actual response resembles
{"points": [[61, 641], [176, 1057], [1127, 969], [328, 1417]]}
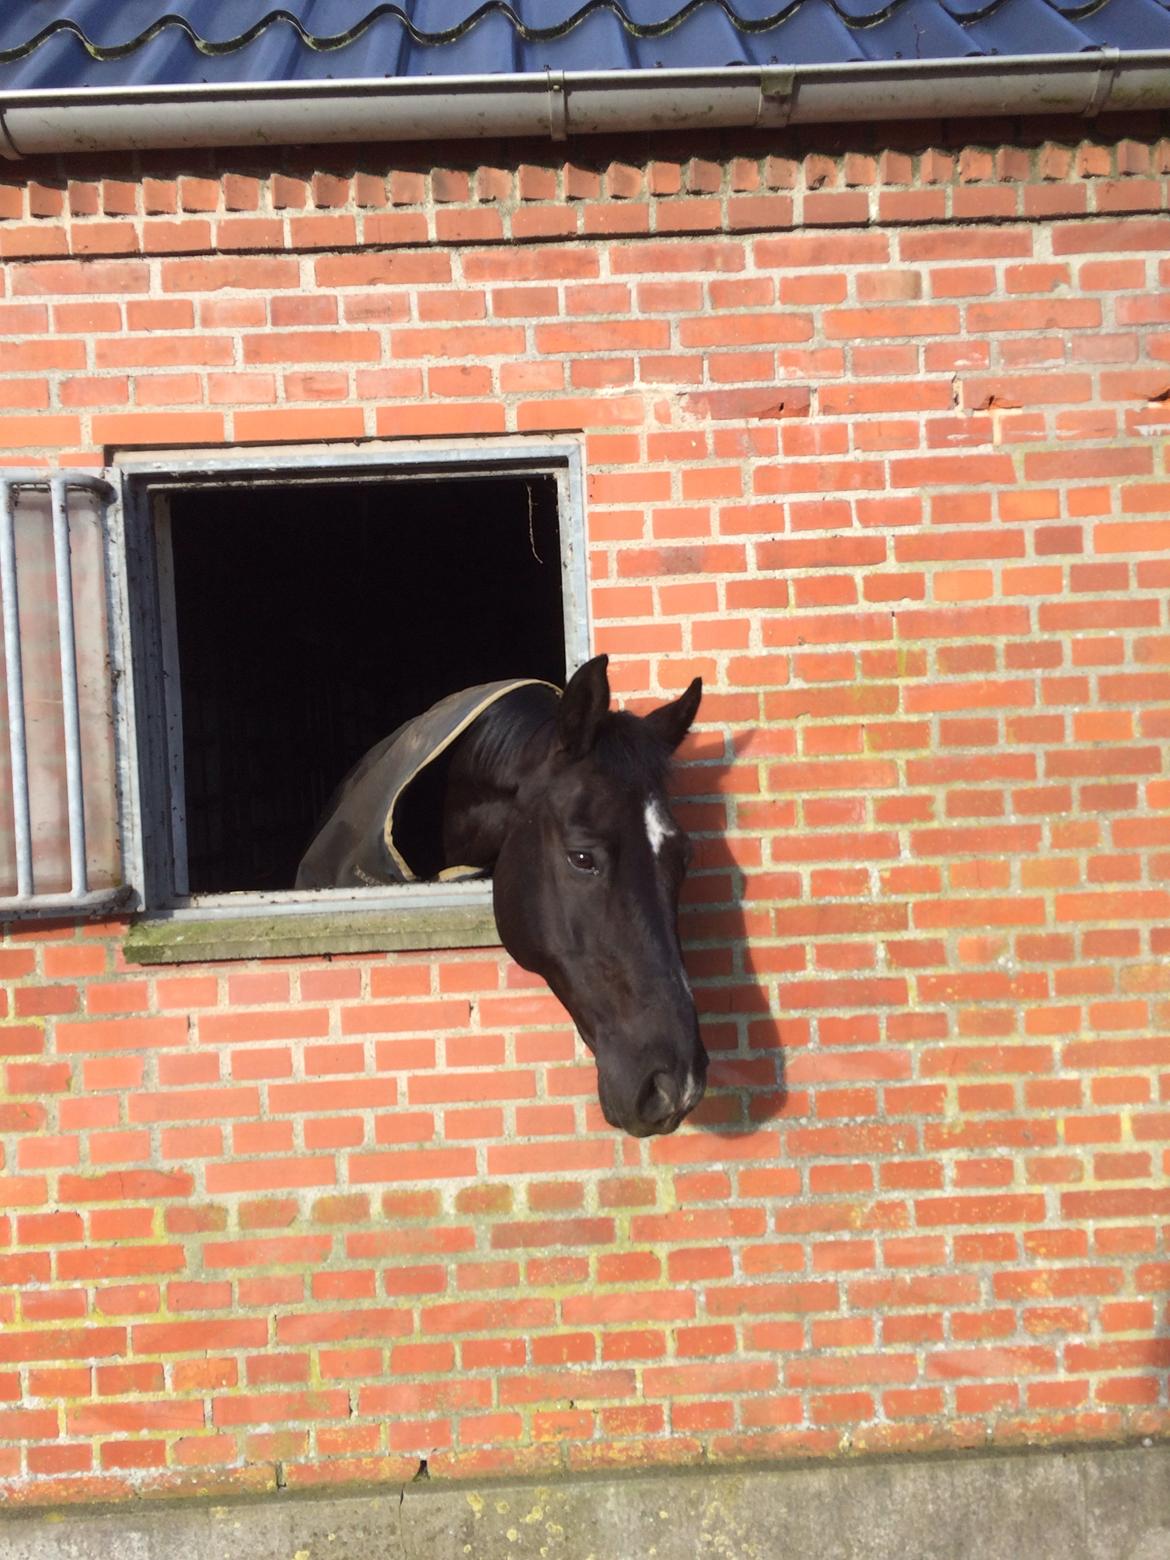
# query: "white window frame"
{"points": [[156, 847]]}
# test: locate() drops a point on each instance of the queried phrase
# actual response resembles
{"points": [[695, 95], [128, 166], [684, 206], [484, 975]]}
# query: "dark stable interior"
{"points": [[314, 619]]}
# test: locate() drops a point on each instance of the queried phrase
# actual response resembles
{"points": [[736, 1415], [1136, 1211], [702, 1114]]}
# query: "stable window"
{"points": [[289, 611]]}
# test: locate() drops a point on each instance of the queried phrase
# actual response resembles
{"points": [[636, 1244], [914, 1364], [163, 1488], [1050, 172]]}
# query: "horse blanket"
{"points": [[384, 822]]}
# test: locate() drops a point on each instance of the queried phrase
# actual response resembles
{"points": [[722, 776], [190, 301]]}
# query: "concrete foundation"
{"points": [[1094, 1504]]}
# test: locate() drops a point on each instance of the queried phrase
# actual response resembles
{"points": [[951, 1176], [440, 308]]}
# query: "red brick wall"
{"points": [[876, 442]]}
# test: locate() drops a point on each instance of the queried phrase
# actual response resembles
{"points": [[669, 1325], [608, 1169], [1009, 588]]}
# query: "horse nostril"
{"points": [[693, 1093], [658, 1099]]}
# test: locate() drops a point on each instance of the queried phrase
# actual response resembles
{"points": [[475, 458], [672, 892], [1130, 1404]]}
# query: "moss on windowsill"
{"points": [[182, 940]]}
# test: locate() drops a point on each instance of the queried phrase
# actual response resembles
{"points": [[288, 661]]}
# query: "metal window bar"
{"points": [[79, 894]]}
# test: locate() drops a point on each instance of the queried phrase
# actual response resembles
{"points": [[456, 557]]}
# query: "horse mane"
{"points": [[492, 748]]}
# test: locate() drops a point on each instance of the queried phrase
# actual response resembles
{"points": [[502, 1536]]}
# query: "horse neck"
{"points": [[488, 765]]}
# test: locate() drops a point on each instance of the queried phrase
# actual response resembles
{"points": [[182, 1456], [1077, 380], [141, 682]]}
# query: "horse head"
{"points": [[586, 889]]}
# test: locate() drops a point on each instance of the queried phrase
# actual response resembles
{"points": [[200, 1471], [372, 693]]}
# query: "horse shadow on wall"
{"points": [[565, 803], [729, 942]]}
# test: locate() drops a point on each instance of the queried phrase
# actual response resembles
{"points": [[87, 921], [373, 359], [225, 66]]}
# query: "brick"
{"points": [[133, 428], [88, 278], [214, 273]]}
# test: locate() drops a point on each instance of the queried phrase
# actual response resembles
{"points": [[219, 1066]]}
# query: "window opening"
{"points": [[289, 615], [312, 621]]}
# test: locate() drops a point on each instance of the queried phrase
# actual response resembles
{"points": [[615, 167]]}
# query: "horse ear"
{"points": [[583, 704], [671, 722]]}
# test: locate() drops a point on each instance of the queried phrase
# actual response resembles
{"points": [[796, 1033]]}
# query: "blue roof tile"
{"points": [[1025, 27], [918, 29], [1130, 24], [112, 43]]}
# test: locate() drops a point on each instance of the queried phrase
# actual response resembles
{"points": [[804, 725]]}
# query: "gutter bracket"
{"points": [[558, 106], [777, 94], [1103, 84], [8, 147]]}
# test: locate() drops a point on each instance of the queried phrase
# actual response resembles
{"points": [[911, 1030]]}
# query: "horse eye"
{"points": [[581, 860]]}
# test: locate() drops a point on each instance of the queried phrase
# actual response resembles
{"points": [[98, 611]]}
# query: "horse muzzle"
{"points": [[661, 1104]]}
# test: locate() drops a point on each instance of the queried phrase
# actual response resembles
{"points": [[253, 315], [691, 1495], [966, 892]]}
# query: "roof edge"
{"points": [[557, 105]]}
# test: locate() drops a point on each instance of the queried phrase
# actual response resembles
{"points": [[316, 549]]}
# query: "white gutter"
{"points": [[559, 104]]}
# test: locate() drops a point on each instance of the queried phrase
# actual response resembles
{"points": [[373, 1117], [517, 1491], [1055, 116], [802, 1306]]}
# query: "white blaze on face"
{"points": [[658, 824]]}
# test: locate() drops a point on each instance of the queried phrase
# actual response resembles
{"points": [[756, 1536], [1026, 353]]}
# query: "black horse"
{"points": [[563, 801]]}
